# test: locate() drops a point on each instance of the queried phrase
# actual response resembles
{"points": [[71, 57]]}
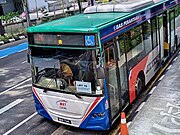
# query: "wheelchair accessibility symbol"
{"points": [[89, 40]]}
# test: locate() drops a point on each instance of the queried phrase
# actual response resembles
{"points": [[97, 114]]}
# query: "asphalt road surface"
{"points": [[17, 111]]}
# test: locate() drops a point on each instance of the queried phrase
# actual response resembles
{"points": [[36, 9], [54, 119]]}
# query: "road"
{"points": [[17, 112]]}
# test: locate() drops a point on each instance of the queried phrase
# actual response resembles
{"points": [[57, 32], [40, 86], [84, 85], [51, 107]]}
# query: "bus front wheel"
{"points": [[140, 83]]}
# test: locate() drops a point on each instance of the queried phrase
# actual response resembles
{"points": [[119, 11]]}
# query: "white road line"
{"points": [[169, 67], [140, 107], [11, 105], [175, 59], [152, 90], [23, 62], [21, 123], [22, 50], [161, 77], [14, 86], [128, 124], [167, 129], [3, 56], [6, 49]]}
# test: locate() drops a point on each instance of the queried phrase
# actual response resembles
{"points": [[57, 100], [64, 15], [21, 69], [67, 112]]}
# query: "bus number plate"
{"points": [[64, 120]]}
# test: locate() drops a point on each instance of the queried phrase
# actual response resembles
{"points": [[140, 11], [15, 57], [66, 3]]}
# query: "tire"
{"points": [[139, 84]]}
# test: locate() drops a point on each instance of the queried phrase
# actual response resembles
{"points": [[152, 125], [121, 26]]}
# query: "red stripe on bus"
{"points": [[34, 91], [92, 106], [133, 77]]}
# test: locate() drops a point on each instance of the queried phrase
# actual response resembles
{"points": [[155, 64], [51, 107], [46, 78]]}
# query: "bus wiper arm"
{"points": [[76, 94]]}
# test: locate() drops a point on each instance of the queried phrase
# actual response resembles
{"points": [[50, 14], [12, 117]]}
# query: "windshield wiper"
{"points": [[76, 94], [39, 75]]}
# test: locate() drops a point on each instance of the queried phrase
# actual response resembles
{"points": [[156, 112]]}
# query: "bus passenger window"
{"points": [[147, 37], [154, 32], [134, 46], [110, 62]]}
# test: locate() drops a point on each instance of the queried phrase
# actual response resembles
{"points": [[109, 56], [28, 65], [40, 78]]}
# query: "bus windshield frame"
{"points": [[65, 70]]}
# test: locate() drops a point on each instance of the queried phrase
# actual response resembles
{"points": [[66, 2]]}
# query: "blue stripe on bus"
{"points": [[13, 50], [93, 122]]}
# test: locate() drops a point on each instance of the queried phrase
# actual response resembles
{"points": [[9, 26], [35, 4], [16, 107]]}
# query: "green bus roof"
{"points": [[84, 23]]}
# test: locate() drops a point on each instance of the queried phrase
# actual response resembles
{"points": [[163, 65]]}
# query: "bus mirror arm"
{"points": [[28, 57], [100, 58], [100, 73]]}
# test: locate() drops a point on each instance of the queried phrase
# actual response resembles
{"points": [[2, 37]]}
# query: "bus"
{"points": [[89, 67]]}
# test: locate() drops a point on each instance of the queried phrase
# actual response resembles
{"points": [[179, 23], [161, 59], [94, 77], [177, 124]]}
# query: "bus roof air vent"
{"points": [[117, 6]]}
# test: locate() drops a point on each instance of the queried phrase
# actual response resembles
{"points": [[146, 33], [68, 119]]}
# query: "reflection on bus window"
{"points": [[147, 36], [110, 61], [134, 45], [154, 32]]}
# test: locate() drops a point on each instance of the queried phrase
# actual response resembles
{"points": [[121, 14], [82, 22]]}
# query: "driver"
{"points": [[67, 72]]}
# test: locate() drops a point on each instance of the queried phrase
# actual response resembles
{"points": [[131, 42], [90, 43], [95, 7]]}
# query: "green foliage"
{"points": [[8, 36], [9, 18], [1, 38]]}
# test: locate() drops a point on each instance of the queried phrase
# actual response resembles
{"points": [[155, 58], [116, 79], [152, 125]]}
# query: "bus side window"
{"points": [[110, 62], [134, 46], [146, 26], [154, 32]]}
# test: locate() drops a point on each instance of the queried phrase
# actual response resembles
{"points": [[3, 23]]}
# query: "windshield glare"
{"points": [[65, 70]]}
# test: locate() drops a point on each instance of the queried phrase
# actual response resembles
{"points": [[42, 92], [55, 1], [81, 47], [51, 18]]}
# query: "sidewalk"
{"points": [[160, 114]]}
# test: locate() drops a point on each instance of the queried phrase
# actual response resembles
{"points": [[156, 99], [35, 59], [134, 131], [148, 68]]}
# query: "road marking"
{"points": [[152, 90], [166, 129], [62, 129], [22, 50], [3, 56], [175, 59], [6, 48], [14, 49], [14, 86], [169, 67], [23, 62], [11, 105], [175, 121], [161, 77], [21, 123], [167, 114], [129, 123], [140, 107]]}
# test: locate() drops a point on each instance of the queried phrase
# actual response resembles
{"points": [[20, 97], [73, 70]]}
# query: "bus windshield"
{"points": [[64, 70]]}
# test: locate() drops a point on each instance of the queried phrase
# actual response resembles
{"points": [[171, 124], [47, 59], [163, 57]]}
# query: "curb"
{"points": [[12, 40]]}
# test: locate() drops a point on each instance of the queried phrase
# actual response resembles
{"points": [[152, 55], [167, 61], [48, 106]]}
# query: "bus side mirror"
{"points": [[28, 57], [100, 73]]}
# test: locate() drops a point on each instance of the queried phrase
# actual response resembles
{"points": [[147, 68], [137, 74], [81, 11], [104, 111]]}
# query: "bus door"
{"points": [[112, 78], [161, 36], [122, 66], [172, 30], [165, 36]]}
